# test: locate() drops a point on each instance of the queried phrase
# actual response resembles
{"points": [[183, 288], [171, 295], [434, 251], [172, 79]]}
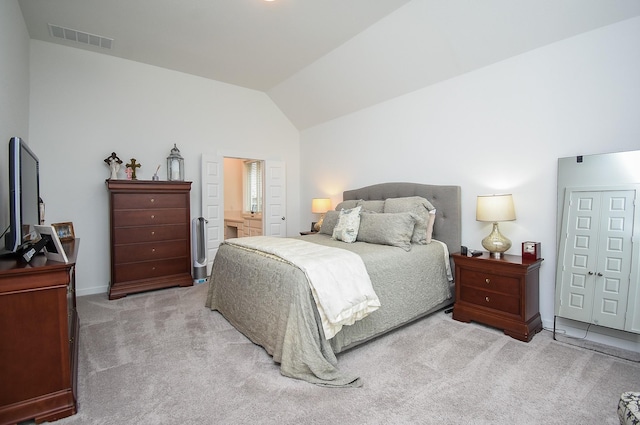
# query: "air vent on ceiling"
{"points": [[80, 36]]}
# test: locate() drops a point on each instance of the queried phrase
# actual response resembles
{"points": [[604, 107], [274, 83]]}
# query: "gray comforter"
{"points": [[270, 302]]}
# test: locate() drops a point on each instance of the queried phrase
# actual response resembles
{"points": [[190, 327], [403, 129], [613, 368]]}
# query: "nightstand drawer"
{"points": [[500, 302], [493, 282]]}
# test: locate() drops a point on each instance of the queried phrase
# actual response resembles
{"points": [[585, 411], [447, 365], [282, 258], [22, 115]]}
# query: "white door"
{"points": [[213, 204], [596, 256], [275, 199], [613, 268]]}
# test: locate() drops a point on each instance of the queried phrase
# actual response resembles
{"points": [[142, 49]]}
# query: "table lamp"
{"points": [[495, 208], [320, 206]]}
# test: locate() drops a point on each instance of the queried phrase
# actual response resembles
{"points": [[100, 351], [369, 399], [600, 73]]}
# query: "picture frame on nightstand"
{"points": [[65, 231], [531, 250], [53, 249]]}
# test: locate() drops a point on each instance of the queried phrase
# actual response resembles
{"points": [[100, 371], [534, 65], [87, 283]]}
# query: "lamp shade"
{"points": [[495, 208], [320, 205]]}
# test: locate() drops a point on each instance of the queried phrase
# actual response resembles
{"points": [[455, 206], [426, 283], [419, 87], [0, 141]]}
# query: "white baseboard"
{"points": [[580, 330]]}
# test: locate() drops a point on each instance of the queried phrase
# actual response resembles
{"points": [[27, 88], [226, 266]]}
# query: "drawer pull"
{"points": [[486, 299], [153, 200], [153, 233], [487, 280], [153, 250], [152, 217], [153, 268]]}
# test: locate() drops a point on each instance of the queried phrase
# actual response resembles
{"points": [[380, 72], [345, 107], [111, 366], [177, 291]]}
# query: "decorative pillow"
{"points": [[372, 206], [347, 205], [329, 222], [432, 219], [393, 229], [348, 224], [417, 205]]}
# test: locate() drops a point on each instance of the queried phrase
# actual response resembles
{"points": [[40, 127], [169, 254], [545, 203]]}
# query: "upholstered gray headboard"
{"points": [[446, 199]]}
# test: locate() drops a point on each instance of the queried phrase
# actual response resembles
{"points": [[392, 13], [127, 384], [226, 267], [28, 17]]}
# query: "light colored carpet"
{"points": [[163, 358]]}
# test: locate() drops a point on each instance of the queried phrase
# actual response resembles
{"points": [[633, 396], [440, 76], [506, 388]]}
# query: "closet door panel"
{"points": [[614, 259], [579, 255]]}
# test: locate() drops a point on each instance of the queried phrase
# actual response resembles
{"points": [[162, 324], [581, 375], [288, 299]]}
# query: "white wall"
{"points": [[14, 90], [496, 130], [86, 105]]}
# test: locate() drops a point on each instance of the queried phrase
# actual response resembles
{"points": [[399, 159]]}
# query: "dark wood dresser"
{"points": [[38, 338], [150, 235], [503, 293]]}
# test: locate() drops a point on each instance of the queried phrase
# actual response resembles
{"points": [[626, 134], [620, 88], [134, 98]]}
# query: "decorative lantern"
{"points": [[175, 165]]}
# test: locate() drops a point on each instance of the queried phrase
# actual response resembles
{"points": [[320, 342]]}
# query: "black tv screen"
{"points": [[24, 194]]}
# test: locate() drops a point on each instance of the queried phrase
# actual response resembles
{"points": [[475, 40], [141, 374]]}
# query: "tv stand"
{"points": [[38, 338]]}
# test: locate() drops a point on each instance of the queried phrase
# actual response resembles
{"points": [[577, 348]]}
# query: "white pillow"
{"points": [[348, 224], [432, 219]]}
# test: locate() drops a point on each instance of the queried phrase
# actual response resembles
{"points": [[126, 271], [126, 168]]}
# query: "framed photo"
{"points": [[64, 231], [53, 248]]}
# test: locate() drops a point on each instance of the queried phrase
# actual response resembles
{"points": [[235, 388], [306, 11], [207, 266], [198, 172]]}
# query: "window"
{"points": [[253, 186]]}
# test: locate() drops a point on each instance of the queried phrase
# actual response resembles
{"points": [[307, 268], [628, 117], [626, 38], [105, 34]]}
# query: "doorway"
{"points": [[214, 205]]}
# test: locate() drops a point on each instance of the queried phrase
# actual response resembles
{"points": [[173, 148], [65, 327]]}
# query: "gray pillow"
{"points": [[329, 222], [372, 206], [347, 205], [417, 205], [393, 229]]}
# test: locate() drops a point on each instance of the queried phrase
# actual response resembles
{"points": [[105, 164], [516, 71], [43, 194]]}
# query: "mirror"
{"points": [[598, 215]]}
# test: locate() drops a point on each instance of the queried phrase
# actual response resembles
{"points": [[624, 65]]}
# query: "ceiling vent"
{"points": [[80, 36]]}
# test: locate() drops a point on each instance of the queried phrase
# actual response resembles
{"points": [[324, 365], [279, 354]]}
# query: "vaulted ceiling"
{"points": [[321, 59]]}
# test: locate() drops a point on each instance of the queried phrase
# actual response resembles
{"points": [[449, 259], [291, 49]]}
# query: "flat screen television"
{"points": [[24, 194]]}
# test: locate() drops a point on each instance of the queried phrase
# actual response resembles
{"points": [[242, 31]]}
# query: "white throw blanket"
{"points": [[338, 278]]}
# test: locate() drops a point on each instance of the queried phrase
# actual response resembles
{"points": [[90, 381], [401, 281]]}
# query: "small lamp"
{"points": [[320, 206], [495, 208], [175, 165]]}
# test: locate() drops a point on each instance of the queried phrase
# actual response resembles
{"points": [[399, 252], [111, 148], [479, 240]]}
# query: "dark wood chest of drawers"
{"points": [[39, 328], [150, 235], [499, 292]]}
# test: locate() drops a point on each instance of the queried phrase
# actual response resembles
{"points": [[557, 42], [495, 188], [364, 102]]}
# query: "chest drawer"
{"points": [[127, 201], [150, 251], [149, 269], [493, 282], [126, 235], [151, 217]]}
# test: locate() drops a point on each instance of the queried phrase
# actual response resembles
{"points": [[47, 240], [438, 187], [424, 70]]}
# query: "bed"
{"points": [[270, 300]]}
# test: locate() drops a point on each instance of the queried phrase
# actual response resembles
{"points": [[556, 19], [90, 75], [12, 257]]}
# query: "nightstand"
{"points": [[503, 293]]}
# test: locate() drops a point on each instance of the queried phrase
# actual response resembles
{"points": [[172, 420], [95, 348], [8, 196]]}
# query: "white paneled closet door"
{"points": [[596, 256]]}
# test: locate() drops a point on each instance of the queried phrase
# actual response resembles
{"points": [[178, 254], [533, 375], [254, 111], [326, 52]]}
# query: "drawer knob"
{"points": [[487, 299], [487, 280], [153, 250], [153, 233], [153, 268], [153, 200], [153, 216]]}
